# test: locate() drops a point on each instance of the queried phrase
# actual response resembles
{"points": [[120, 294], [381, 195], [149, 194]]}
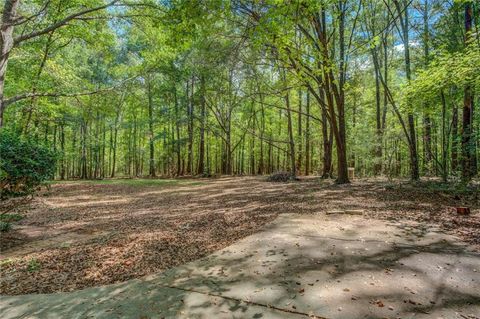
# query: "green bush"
{"points": [[33, 265], [24, 165], [8, 218], [5, 226]]}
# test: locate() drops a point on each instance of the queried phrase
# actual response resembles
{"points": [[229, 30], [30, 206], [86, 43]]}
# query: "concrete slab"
{"points": [[324, 266]]}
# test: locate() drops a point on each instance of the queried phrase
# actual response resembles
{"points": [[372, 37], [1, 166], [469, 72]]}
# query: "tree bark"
{"points": [[177, 129], [307, 135], [377, 169], [201, 151], [427, 122], [189, 95], [299, 132], [151, 139], [412, 139], [327, 136], [62, 147], [291, 137], [468, 159], [6, 45], [454, 151]]}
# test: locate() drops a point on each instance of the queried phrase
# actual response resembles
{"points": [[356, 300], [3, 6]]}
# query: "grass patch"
{"points": [[33, 265], [8, 218], [6, 262], [5, 227]]}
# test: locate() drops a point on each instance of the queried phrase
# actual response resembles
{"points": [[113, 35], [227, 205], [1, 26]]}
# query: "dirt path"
{"points": [[299, 266], [85, 234]]}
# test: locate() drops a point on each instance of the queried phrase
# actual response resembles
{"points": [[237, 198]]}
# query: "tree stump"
{"points": [[351, 173]]}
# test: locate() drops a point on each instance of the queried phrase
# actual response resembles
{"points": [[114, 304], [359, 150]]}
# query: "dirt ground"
{"points": [[83, 234]]}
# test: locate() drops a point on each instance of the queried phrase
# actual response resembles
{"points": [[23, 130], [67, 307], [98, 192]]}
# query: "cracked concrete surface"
{"points": [[324, 266]]}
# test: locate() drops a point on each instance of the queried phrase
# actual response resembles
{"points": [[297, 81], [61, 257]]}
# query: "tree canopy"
{"points": [[170, 88]]}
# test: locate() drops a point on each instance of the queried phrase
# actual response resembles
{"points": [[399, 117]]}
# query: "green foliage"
{"points": [[10, 217], [33, 265], [5, 226], [24, 164], [448, 70], [227, 57]]}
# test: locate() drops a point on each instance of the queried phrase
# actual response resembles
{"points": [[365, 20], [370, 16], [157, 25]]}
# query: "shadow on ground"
{"points": [[87, 234], [298, 266]]}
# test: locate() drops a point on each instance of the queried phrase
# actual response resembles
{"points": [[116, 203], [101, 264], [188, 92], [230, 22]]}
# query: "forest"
{"points": [[240, 159], [173, 88]]}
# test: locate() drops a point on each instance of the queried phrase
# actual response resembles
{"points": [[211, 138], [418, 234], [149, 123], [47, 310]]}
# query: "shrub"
{"points": [[281, 177], [8, 218], [5, 226], [33, 265], [24, 165]]}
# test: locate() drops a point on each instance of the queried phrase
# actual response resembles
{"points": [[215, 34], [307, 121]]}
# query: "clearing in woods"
{"points": [[243, 247], [83, 234]]}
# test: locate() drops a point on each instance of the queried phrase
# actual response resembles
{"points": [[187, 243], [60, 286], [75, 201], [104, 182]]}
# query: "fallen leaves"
{"points": [[132, 231], [141, 230]]}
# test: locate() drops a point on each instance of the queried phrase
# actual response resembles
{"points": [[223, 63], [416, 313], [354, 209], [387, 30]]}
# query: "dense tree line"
{"points": [[172, 88]]}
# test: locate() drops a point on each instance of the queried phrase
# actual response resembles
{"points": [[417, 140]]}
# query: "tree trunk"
{"points": [[291, 139], [342, 163], [6, 44], [261, 168], [379, 132], [307, 136], [290, 135], [177, 128], [150, 129], [83, 165], [468, 143], [62, 147], [299, 128], [114, 150], [201, 151], [404, 22], [444, 166], [252, 142], [427, 122], [190, 104], [327, 136], [454, 152]]}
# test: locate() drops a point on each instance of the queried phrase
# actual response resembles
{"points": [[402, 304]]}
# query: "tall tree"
{"points": [[469, 167]]}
